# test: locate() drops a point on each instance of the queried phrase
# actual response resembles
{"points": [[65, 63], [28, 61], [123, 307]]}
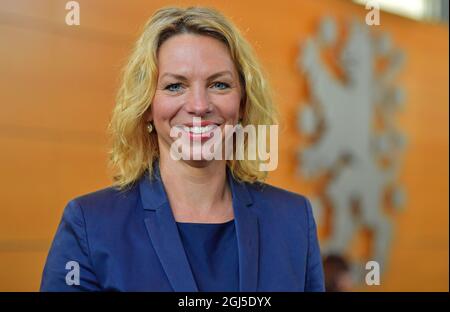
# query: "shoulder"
{"points": [[279, 201], [267, 192], [105, 202], [107, 195]]}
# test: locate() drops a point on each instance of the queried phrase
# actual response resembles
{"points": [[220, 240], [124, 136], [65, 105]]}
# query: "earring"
{"points": [[149, 127]]}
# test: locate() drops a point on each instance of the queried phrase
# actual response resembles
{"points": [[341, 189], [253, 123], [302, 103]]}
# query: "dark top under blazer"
{"points": [[128, 241]]}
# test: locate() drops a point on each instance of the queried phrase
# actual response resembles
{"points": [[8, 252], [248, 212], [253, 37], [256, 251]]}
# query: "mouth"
{"points": [[202, 131], [199, 127]]}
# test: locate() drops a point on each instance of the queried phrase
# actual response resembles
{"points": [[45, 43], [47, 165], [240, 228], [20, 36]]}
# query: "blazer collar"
{"points": [[162, 229]]}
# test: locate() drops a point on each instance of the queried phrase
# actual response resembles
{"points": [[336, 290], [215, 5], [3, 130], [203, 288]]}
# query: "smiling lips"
{"points": [[200, 130]]}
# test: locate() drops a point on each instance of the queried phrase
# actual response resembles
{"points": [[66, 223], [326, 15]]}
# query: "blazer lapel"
{"points": [[163, 232], [247, 232], [162, 229]]}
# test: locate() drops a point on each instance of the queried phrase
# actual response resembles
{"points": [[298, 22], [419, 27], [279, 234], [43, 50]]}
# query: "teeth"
{"points": [[200, 130]]}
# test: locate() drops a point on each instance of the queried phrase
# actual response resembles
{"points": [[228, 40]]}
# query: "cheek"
{"points": [[229, 105], [163, 108]]}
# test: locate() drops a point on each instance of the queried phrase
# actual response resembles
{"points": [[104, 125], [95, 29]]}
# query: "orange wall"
{"points": [[57, 88]]}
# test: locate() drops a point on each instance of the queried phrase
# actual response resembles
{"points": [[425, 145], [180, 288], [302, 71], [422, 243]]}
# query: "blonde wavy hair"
{"points": [[133, 149]]}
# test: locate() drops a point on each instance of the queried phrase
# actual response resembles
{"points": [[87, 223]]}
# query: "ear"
{"points": [[243, 102], [242, 108], [242, 105], [149, 114]]}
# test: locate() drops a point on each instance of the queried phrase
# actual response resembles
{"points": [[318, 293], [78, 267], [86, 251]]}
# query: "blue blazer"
{"points": [[129, 241]]}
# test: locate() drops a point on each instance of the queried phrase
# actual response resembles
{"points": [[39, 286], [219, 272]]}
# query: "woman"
{"points": [[187, 223]]}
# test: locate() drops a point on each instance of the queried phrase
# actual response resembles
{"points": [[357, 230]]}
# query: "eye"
{"points": [[173, 87], [221, 85]]}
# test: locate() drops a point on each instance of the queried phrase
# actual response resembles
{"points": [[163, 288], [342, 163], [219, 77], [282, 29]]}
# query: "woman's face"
{"points": [[196, 78]]}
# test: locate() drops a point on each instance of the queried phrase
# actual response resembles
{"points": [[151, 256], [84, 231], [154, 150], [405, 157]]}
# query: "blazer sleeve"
{"points": [[69, 255], [314, 270]]}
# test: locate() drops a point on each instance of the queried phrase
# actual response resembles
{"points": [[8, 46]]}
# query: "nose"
{"points": [[198, 103]]}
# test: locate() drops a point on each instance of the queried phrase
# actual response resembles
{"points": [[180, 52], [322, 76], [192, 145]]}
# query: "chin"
{"points": [[197, 163]]}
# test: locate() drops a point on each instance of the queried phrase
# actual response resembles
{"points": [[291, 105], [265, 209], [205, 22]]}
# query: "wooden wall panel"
{"points": [[57, 89]]}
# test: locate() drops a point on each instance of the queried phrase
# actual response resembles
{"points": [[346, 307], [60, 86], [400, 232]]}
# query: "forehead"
{"points": [[194, 54]]}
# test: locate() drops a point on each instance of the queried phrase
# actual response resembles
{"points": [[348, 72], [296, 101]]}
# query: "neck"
{"points": [[198, 190]]}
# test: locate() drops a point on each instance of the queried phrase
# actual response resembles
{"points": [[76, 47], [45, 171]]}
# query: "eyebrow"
{"points": [[181, 77]]}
